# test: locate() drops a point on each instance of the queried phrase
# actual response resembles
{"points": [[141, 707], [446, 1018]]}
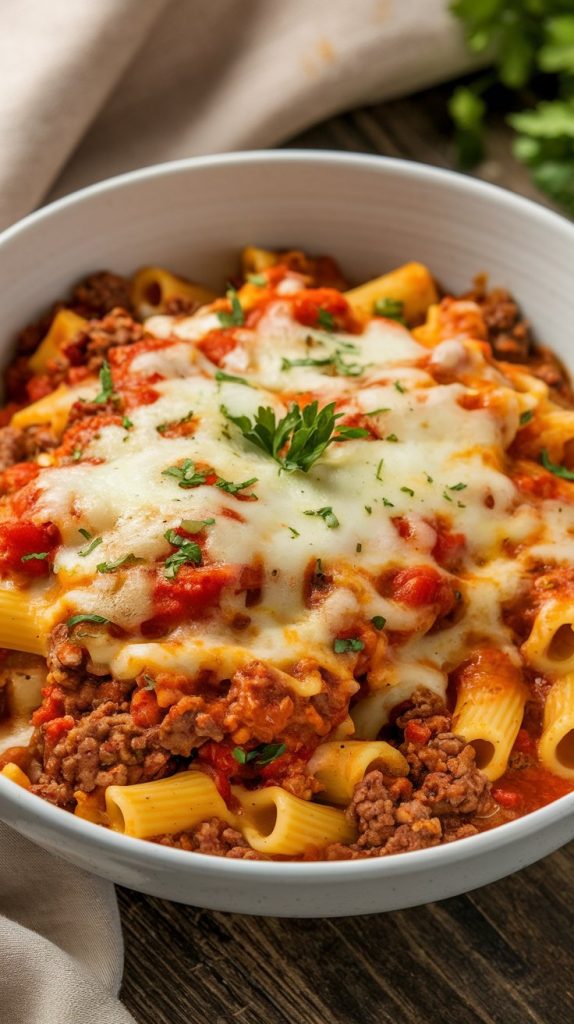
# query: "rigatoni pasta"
{"points": [[287, 571]]}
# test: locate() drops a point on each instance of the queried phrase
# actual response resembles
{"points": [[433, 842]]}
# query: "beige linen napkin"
{"points": [[60, 941], [91, 88]]}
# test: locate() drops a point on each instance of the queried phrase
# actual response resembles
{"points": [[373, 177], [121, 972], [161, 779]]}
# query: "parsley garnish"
{"points": [[429, 478], [259, 280], [325, 319], [126, 560], [375, 412], [188, 553], [327, 514], [236, 317], [231, 488], [127, 423], [387, 503], [400, 387], [98, 619], [163, 427], [91, 547], [379, 470], [150, 682], [525, 417], [107, 393], [319, 571], [195, 525], [353, 643], [186, 474], [294, 532], [369, 509], [37, 556], [264, 754], [336, 361], [552, 467], [378, 621], [446, 496], [408, 490], [77, 454], [305, 433], [392, 309], [391, 437], [458, 487], [358, 548], [221, 376]]}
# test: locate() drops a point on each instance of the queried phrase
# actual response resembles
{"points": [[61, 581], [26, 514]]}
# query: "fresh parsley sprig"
{"points": [[260, 756], [298, 439]]}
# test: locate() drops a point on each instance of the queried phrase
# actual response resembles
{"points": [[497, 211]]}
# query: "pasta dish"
{"points": [[287, 572]]}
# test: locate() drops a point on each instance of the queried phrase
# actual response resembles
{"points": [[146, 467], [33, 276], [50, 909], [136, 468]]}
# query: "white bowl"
{"points": [[372, 214]]}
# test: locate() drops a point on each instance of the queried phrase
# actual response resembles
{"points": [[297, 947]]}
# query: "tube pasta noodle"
{"points": [[24, 626], [53, 409], [411, 284], [154, 288], [488, 713], [168, 805], [311, 554], [339, 767], [15, 774], [556, 746], [550, 646], [276, 822], [65, 326]]}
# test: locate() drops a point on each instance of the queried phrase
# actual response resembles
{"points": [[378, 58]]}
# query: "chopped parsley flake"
{"points": [[408, 490], [400, 387], [392, 309], [230, 488], [359, 548], [99, 620], [127, 423], [378, 621], [262, 755], [162, 428], [334, 362], [91, 547], [526, 416], [391, 437], [234, 318], [375, 412], [259, 280], [446, 496], [120, 563], [552, 467], [186, 474], [107, 393], [369, 509], [325, 319], [379, 470], [77, 454], [294, 532], [429, 478], [458, 487], [188, 553], [326, 514], [387, 503], [231, 379], [37, 556], [345, 646], [195, 525]]}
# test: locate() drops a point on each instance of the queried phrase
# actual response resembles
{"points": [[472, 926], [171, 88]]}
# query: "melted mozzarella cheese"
{"points": [[432, 461]]}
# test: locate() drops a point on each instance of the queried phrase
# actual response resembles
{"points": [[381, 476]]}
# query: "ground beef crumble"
{"points": [[215, 837]]}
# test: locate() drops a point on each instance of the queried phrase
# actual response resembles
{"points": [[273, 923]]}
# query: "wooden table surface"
{"points": [[500, 955]]}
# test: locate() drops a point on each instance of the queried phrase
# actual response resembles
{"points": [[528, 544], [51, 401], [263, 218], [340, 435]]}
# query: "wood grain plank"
{"points": [[500, 955]]}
